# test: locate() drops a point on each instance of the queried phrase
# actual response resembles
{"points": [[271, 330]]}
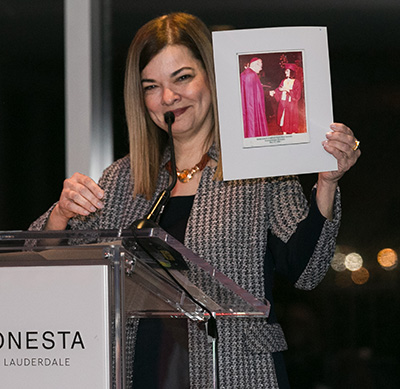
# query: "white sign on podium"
{"points": [[56, 330]]}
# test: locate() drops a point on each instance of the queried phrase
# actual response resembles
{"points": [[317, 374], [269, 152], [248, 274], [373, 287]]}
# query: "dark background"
{"points": [[341, 335]]}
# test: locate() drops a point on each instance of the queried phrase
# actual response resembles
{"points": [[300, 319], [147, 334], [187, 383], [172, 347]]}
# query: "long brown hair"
{"points": [[147, 141]]}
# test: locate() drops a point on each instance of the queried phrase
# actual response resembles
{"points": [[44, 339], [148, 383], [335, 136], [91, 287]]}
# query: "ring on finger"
{"points": [[357, 143]]}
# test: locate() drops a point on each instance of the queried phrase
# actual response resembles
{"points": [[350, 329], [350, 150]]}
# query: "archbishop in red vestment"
{"points": [[253, 102]]}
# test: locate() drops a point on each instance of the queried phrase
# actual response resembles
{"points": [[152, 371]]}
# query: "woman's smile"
{"points": [[178, 112]]}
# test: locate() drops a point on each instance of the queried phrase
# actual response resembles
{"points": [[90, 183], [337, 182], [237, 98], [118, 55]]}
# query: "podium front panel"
{"points": [[54, 327]]}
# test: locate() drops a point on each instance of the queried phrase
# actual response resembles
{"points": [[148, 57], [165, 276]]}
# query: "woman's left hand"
{"points": [[343, 145]]}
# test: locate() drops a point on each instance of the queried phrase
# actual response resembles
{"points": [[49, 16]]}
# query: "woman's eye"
{"points": [[149, 87], [184, 77]]}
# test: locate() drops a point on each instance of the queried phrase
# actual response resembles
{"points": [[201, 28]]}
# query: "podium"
{"points": [[65, 297]]}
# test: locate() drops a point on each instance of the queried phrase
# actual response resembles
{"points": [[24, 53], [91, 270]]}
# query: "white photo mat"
{"points": [[278, 153]]}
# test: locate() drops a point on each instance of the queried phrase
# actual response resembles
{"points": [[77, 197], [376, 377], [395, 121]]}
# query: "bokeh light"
{"points": [[337, 263], [388, 259], [353, 261], [360, 276]]}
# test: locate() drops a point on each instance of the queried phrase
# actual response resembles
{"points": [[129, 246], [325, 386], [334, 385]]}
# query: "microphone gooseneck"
{"points": [[169, 118], [158, 207]]}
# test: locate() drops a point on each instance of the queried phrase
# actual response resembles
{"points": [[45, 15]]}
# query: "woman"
{"points": [[247, 229], [288, 95]]}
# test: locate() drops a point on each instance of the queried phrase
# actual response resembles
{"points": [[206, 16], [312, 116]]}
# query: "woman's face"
{"points": [[287, 73], [175, 81]]}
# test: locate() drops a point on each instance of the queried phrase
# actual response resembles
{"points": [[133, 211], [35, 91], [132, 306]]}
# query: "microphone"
{"points": [[157, 209], [169, 118]]}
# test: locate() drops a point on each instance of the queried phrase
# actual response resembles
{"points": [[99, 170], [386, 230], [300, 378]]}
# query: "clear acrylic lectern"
{"points": [[65, 296]]}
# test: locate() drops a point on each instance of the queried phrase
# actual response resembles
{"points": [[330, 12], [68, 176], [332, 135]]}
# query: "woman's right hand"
{"points": [[80, 196]]}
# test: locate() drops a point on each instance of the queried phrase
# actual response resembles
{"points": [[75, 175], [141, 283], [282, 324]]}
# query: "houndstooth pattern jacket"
{"points": [[228, 226]]}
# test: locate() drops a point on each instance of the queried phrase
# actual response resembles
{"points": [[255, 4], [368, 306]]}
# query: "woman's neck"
{"points": [[189, 152]]}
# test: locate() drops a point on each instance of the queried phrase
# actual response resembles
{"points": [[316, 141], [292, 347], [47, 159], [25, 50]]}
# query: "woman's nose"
{"points": [[169, 97]]}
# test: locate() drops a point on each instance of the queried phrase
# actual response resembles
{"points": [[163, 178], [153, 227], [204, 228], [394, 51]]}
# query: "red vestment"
{"points": [[253, 105]]}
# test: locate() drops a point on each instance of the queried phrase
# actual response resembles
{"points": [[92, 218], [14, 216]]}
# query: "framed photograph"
{"points": [[274, 101]]}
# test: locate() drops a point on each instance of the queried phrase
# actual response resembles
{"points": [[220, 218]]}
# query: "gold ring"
{"points": [[357, 143]]}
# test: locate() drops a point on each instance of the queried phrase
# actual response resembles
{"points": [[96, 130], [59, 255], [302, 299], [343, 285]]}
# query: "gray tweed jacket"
{"points": [[219, 230]]}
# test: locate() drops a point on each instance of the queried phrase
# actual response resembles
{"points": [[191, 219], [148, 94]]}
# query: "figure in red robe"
{"points": [[288, 95], [253, 101]]}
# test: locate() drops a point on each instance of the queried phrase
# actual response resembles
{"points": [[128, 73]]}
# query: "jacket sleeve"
{"points": [[324, 249], [301, 241]]}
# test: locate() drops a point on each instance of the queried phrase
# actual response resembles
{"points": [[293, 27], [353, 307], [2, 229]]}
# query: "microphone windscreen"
{"points": [[169, 117]]}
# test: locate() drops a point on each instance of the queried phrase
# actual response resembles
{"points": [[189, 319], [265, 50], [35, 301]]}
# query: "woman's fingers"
{"points": [[80, 196], [342, 138], [344, 146]]}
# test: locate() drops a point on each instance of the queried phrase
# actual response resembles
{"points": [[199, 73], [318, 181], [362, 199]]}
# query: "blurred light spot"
{"points": [[337, 263], [387, 258], [353, 261], [360, 276]]}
